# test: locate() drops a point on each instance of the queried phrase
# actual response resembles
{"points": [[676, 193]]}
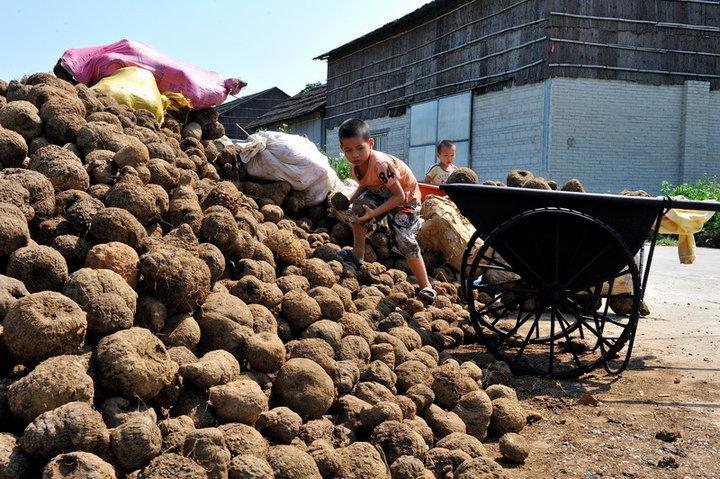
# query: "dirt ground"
{"points": [[672, 385]]}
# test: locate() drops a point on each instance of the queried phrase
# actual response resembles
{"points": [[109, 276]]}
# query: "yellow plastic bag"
{"points": [[684, 223], [136, 88], [177, 101]]}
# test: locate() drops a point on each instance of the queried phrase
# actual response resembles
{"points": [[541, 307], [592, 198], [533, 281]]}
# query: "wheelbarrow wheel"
{"points": [[534, 298]]}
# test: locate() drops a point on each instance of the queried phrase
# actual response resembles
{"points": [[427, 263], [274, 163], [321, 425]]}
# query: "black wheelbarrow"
{"points": [[551, 278]]}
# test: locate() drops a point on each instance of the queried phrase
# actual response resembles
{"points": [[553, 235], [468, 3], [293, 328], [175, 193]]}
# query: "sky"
{"points": [[265, 42]]}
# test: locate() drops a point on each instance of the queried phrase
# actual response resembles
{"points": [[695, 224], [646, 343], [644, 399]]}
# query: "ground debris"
{"points": [[587, 400], [668, 436], [668, 462]]}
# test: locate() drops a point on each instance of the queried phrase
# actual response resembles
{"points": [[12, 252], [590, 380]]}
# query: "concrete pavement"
{"points": [[683, 329]]}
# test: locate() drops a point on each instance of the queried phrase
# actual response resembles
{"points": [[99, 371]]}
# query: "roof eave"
{"points": [[388, 30], [231, 105], [273, 121]]}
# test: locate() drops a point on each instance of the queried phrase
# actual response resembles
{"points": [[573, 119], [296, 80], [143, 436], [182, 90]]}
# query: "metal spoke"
{"points": [[537, 247], [587, 266], [520, 311], [598, 332], [535, 326], [487, 305], [580, 243], [493, 261], [599, 321], [561, 318], [479, 286], [582, 333], [575, 310], [509, 334], [494, 286], [506, 307], [519, 258], [621, 273], [552, 340], [493, 267], [600, 336], [497, 320], [611, 285], [578, 309], [503, 307], [607, 302], [600, 296], [616, 323], [557, 247], [538, 313]]}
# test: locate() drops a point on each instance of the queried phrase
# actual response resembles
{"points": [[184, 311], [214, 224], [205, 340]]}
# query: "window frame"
{"points": [[437, 100], [383, 134]]}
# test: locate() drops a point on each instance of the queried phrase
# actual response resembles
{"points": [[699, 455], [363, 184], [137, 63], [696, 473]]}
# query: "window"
{"points": [[432, 121], [380, 140]]}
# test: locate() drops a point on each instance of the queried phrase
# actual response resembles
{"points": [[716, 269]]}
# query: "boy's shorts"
{"points": [[403, 222]]}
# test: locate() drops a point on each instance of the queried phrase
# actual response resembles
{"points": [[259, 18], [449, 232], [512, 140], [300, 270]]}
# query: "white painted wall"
{"points": [[507, 131], [613, 135]]}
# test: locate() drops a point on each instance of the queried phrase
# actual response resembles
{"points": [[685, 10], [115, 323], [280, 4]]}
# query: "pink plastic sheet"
{"points": [[204, 88]]}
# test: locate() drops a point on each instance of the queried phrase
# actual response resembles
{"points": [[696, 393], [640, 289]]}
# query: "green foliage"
{"points": [[283, 128], [310, 86], [341, 166], [667, 240], [705, 188]]}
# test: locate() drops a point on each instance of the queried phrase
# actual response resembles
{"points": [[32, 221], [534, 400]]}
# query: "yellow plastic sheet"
{"points": [[684, 223], [136, 88]]}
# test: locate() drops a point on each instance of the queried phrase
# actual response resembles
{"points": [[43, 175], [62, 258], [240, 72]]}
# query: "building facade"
{"points": [[618, 93], [235, 115], [302, 114]]}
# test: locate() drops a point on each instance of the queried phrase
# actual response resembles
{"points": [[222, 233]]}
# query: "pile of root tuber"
{"points": [[163, 315]]}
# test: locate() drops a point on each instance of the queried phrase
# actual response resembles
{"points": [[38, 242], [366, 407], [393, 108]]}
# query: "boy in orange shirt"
{"points": [[390, 183]]}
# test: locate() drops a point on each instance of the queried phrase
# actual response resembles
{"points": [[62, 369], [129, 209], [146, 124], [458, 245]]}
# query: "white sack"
{"points": [[276, 156]]}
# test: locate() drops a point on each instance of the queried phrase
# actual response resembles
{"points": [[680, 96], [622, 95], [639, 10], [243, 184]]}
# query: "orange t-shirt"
{"points": [[383, 171]]}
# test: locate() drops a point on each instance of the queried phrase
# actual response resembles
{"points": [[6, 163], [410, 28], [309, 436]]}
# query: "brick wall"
{"points": [[507, 131], [613, 135], [394, 128], [694, 135], [714, 133]]}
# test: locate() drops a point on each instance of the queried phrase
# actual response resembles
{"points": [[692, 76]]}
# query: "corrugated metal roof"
{"points": [[303, 103]]}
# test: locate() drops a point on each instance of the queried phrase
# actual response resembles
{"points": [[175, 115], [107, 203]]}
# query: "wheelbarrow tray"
{"points": [[630, 217]]}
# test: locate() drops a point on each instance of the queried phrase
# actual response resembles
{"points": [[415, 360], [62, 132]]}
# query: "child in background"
{"points": [[387, 182], [445, 154]]}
